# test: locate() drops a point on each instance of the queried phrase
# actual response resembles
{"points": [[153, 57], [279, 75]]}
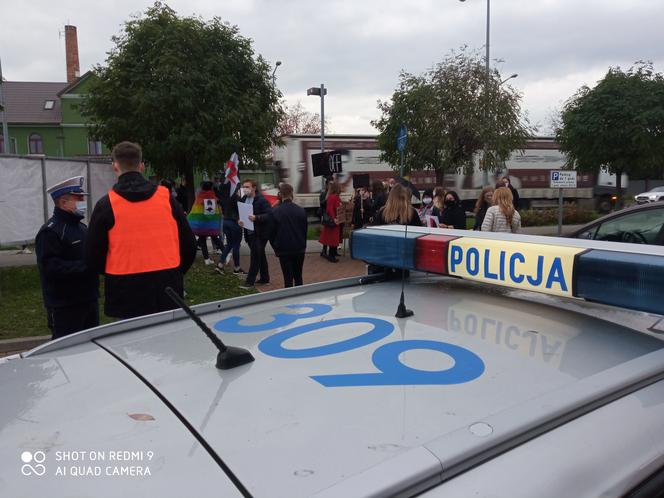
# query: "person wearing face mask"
{"points": [[426, 209], [258, 238], [69, 288], [454, 215]]}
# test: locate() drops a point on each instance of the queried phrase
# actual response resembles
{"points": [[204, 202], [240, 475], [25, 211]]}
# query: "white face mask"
{"points": [[81, 208], [246, 192], [426, 200]]}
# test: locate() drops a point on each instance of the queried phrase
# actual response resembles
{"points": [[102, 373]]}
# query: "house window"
{"points": [[49, 104], [94, 147], [36, 144]]}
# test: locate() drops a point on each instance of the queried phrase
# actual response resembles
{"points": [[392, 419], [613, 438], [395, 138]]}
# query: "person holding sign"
{"points": [[259, 234]]}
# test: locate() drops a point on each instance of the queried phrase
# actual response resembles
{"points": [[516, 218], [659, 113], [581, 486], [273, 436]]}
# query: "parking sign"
{"points": [[562, 179]]}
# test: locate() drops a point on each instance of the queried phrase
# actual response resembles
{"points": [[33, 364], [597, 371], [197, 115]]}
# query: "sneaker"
{"points": [[262, 282], [26, 251], [218, 251], [239, 271], [219, 269], [209, 262], [247, 286]]}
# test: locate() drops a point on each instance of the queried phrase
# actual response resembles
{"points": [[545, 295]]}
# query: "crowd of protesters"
{"points": [[143, 237]]}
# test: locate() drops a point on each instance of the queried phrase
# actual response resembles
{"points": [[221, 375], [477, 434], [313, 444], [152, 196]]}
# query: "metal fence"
{"points": [[24, 204]]}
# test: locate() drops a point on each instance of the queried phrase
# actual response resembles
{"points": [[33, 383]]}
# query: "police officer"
{"points": [[68, 286], [139, 239]]}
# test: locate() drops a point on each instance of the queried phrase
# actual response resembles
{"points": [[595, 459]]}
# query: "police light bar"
{"points": [[625, 275]]}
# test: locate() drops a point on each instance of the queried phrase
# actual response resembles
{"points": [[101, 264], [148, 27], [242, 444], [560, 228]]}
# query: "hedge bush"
{"points": [[572, 215]]}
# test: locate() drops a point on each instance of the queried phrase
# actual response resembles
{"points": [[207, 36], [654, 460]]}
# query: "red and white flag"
{"points": [[232, 172]]}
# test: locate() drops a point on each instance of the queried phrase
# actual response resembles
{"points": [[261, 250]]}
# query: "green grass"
{"points": [[22, 312], [313, 232]]}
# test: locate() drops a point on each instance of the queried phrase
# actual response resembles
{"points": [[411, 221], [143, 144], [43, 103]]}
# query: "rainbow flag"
{"points": [[205, 215]]}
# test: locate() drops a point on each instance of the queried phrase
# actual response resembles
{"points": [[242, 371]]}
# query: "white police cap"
{"points": [[70, 186]]}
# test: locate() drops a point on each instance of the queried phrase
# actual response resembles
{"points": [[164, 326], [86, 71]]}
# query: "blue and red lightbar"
{"points": [[628, 276]]}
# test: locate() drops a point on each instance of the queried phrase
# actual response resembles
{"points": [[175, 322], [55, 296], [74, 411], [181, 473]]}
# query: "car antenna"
{"points": [[402, 312], [229, 356]]}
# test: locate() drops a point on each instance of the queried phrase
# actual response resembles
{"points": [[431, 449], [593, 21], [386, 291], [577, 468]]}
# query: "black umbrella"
{"points": [[408, 184]]}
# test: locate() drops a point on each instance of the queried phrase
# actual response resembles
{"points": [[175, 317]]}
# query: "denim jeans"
{"points": [[233, 234]]}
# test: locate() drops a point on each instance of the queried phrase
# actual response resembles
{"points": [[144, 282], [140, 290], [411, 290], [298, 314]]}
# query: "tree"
{"points": [[618, 125], [190, 92], [296, 120], [451, 113]]}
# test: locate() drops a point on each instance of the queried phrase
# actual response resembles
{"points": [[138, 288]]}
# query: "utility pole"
{"points": [[5, 130]]}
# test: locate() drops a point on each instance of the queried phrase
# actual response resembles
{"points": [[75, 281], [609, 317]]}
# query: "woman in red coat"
{"points": [[331, 235]]}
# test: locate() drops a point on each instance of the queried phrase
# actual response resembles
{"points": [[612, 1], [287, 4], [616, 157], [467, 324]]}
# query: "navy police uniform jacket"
{"points": [[65, 278]]}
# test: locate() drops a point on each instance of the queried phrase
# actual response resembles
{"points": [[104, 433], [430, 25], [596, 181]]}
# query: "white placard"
{"points": [[562, 179], [432, 221], [244, 210]]}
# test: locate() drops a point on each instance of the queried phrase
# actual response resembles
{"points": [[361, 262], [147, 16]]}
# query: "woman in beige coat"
{"points": [[502, 217]]}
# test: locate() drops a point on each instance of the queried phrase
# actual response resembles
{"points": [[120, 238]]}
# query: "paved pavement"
{"points": [[15, 258]]}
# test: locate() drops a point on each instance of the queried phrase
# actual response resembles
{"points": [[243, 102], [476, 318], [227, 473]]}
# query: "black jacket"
{"points": [[479, 217], [362, 213], [515, 197], [228, 202], [414, 218], [379, 201], [289, 224], [60, 246], [138, 294], [455, 215], [262, 206]]}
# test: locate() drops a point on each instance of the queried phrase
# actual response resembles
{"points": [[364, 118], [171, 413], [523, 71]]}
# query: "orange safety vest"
{"points": [[144, 237]]}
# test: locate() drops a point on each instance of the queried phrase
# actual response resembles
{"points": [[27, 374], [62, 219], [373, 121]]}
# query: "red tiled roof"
{"points": [[24, 102]]}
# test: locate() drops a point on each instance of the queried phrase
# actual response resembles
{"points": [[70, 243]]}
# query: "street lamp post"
{"points": [[508, 78], [322, 91], [276, 65], [485, 175]]}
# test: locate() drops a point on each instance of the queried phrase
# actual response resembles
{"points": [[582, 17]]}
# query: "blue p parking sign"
{"points": [[562, 179]]}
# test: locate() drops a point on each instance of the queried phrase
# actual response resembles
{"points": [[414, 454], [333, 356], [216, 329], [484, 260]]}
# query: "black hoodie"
{"points": [[138, 294]]}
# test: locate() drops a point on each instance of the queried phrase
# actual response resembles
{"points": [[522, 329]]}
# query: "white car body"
{"points": [[654, 195]]}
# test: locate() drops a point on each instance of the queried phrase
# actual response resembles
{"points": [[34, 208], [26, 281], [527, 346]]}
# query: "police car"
{"points": [[530, 366]]}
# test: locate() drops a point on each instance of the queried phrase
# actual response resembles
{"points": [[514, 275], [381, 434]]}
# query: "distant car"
{"points": [[654, 195], [643, 224]]}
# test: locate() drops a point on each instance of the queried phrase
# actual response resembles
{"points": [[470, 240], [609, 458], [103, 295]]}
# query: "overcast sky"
{"points": [[357, 48]]}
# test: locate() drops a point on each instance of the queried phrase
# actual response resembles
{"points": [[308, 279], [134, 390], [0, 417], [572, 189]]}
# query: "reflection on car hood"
{"points": [[305, 415]]}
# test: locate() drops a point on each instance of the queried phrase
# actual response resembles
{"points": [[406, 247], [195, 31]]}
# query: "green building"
{"points": [[45, 118]]}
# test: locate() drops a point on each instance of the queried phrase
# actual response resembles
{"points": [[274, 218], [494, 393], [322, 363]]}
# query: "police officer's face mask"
{"points": [[81, 208]]}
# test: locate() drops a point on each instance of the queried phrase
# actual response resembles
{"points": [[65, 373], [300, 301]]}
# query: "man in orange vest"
{"points": [[139, 238]]}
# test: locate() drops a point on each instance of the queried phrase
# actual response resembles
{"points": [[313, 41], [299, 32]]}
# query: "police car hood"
{"points": [[341, 389]]}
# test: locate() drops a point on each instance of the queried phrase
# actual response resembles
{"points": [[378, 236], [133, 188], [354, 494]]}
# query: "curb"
{"points": [[23, 344]]}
